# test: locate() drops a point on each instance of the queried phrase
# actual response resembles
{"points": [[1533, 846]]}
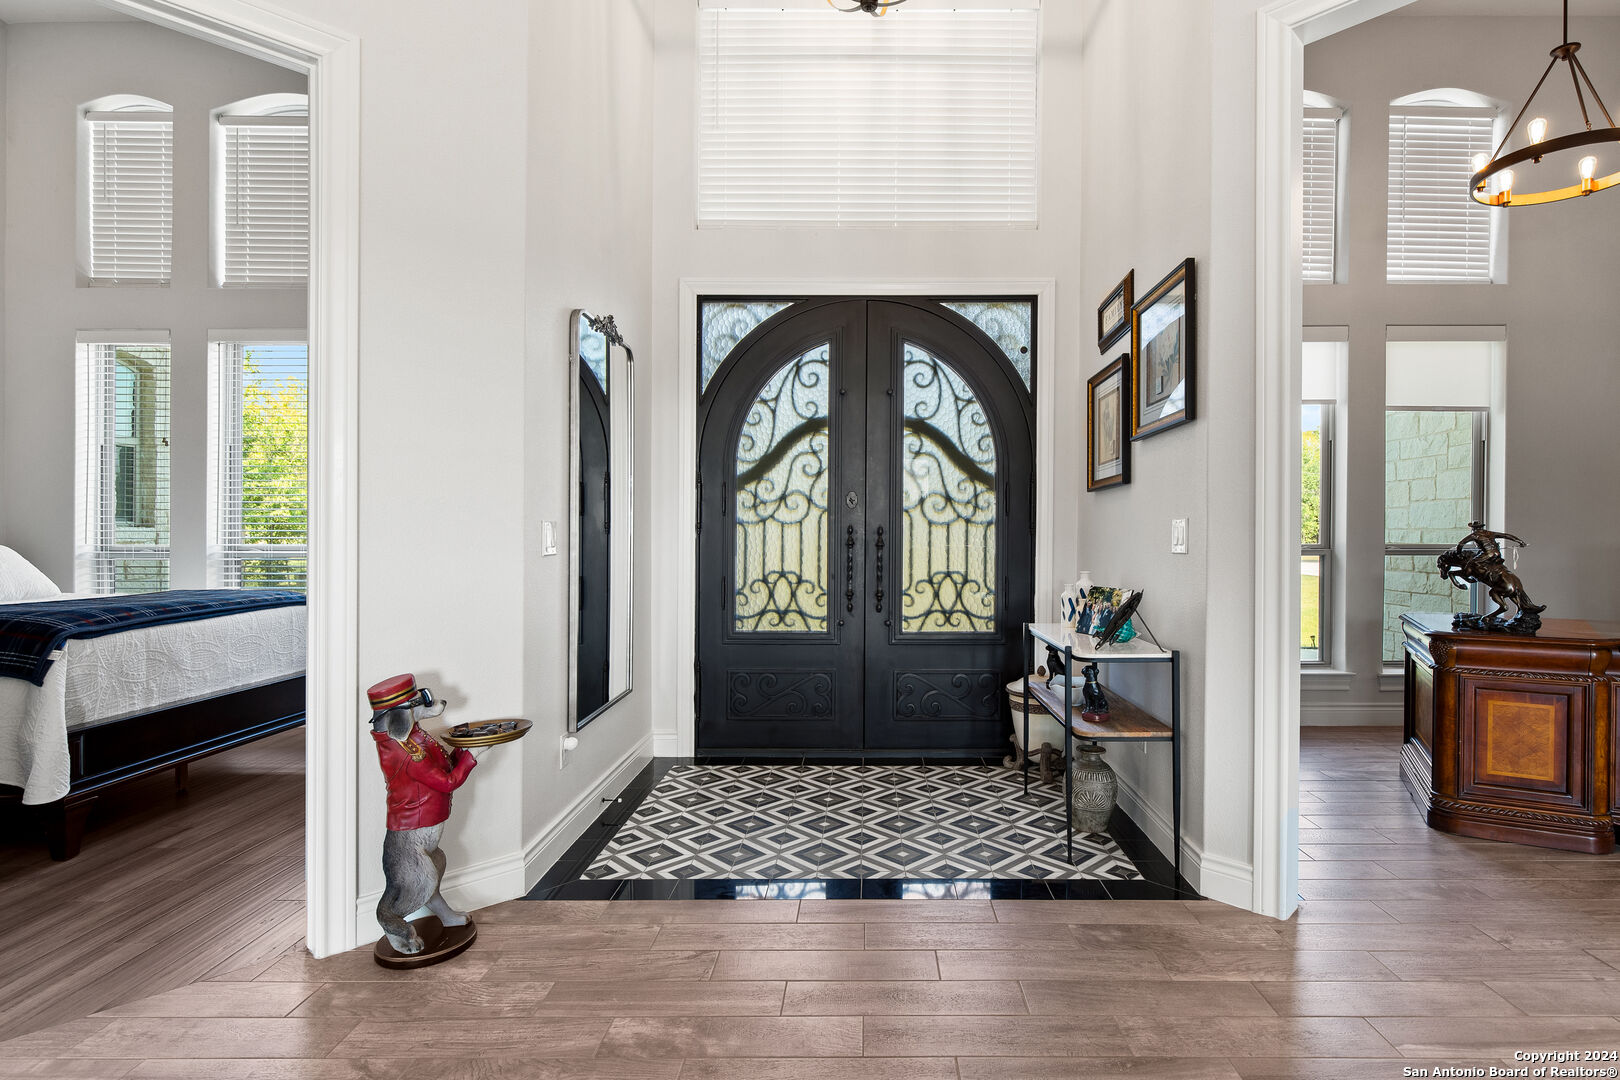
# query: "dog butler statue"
{"points": [[420, 777]]}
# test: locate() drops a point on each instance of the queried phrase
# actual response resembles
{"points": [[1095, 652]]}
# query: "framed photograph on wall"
{"points": [[1164, 354], [1108, 445], [1114, 315]]}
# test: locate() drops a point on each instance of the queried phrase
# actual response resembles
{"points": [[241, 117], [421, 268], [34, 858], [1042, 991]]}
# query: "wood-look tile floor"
{"points": [[1373, 975], [168, 889]]}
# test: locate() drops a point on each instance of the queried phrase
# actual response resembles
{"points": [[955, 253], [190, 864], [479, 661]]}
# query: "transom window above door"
{"points": [[808, 115]]}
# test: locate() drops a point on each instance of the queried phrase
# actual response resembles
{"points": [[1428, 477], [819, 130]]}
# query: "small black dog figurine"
{"points": [[1093, 702]]}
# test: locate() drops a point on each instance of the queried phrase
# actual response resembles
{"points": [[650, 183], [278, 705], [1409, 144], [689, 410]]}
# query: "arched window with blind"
{"points": [[261, 192], [1322, 201], [1436, 232], [126, 173]]}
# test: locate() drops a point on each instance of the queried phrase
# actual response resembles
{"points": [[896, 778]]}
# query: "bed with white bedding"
{"points": [[127, 703]]}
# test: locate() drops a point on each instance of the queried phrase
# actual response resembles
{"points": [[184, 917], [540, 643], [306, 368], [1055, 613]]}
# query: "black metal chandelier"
{"points": [[1501, 166], [871, 7]]}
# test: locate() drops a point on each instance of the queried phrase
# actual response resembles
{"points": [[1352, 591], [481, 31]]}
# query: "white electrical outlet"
{"points": [[1178, 536], [548, 538]]}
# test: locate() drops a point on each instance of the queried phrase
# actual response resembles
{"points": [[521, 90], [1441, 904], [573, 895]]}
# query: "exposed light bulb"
{"points": [[1538, 129], [1506, 181], [1481, 160], [1588, 167]]}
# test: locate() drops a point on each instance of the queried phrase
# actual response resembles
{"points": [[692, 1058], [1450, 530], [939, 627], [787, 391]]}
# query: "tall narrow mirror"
{"points": [[603, 384]]}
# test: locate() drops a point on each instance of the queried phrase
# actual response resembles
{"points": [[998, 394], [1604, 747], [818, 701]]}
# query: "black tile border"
{"points": [[562, 882]]}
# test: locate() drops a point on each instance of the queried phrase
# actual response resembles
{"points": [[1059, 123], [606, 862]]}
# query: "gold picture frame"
{"points": [[1108, 445], [1114, 313]]}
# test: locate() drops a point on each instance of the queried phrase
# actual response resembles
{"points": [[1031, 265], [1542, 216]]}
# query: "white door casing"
{"points": [[332, 61]]}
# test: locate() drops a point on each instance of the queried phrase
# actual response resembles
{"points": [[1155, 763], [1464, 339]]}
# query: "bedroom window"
{"points": [[127, 150], [258, 464], [261, 192], [810, 116], [122, 462]]}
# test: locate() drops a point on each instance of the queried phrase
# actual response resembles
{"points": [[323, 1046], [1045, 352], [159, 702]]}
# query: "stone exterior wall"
{"points": [[1428, 499]]}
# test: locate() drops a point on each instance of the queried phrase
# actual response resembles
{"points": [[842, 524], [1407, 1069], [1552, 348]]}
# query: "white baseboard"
{"points": [[666, 744], [540, 853], [510, 875], [1351, 714], [1214, 876]]}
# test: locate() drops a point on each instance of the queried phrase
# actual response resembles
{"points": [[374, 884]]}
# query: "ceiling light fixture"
{"points": [[1538, 146], [871, 7]]}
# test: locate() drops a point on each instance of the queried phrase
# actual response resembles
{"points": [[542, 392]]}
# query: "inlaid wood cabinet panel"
{"points": [[1530, 746], [1515, 738]]}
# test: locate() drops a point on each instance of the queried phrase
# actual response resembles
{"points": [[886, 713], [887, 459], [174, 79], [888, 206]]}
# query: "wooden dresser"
{"points": [[1514, 738]]}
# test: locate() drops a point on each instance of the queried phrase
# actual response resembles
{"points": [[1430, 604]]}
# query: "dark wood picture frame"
{"points": [[1121, 365], [1178, 359], [1108, 331]]}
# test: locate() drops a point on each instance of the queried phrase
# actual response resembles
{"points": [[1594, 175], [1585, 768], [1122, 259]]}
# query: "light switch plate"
{"points": [[1178, 536], [548, 538]]}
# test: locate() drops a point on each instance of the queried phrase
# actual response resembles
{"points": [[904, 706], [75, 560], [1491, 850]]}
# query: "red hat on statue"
{"points": [[392, 693]]}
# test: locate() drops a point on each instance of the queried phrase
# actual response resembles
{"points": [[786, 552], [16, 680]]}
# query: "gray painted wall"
{"points": [[1140, 209], [51, 70], [1561, 492]]}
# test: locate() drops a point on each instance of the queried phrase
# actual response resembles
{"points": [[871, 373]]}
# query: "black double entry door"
{"points": [[866, 541]]}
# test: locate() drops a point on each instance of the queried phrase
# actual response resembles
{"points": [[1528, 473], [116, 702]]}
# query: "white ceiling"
{"points": [[1550, 8], [34, 11]]}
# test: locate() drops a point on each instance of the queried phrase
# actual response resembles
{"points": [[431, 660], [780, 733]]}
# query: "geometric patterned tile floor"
{"points": [[817, 822], [1155, 876]]}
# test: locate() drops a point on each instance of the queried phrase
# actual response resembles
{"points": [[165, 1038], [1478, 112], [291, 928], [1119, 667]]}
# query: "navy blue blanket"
{"points": [[31, 633]]}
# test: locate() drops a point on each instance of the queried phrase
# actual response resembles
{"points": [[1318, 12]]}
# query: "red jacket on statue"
{"points": [[420, 778]]}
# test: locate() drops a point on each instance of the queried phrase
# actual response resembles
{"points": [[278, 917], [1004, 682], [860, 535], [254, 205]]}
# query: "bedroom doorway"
{"points": [[866, 470], [330, 60]]}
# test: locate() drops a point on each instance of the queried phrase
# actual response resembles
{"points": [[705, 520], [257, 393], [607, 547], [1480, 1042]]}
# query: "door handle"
{"points": [[880, 569], [849, 569]]}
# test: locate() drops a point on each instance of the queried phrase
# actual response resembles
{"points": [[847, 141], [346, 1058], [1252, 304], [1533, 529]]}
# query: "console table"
{"points": [[1126, 722], [1512, 737]]}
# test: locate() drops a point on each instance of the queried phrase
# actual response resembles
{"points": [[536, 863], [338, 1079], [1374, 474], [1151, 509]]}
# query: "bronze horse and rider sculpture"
{"points": [[1477, 559]]}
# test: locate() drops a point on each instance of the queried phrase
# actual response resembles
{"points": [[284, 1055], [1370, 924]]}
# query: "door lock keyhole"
{"points": [[850, 500]]}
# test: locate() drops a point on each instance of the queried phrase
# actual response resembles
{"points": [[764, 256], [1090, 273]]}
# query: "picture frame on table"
{"points": [[1164, 354], [1114, 313], [1108, 444]]}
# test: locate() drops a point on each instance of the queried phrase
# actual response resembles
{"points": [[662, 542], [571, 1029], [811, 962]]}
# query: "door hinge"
{"points": [[607, 502], [1032, 506], [700, 502], [697, 689]]}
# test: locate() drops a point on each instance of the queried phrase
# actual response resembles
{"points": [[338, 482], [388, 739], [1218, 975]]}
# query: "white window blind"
{"points": [[1436, 232], [819, 117], [265, 231], [1321, 197], [123, 467], [131, 187], [258, 460]]}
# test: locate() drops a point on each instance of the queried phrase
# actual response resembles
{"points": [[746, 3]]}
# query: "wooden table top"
{"points": [[1604, 633]]}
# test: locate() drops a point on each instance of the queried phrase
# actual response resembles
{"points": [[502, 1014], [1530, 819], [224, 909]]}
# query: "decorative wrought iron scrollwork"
{"points": [[780, 532], [947, 695], [779, 695], [948, 499]]}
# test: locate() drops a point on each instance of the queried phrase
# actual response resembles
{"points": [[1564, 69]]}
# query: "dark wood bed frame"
{"points": [[118, 751]]}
